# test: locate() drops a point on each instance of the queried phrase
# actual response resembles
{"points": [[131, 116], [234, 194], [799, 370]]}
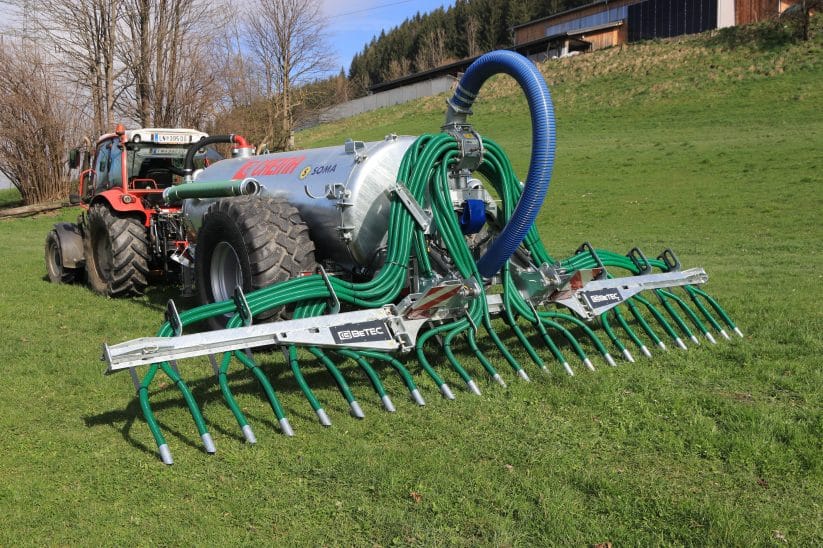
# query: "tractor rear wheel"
{"points": [[251, 242], [117, 253], [57, 273]]}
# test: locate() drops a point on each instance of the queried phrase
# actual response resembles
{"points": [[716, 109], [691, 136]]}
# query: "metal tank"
{"points": [[342, 193]]}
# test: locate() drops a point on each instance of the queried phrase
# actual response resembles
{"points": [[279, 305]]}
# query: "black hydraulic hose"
{"points": [[188, 163]]}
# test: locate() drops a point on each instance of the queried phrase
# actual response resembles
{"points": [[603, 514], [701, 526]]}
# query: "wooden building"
{"points": [[607, 23], [594, 26], [752, 11]]}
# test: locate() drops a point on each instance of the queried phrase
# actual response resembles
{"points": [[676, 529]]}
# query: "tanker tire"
{"points": [[56, 272], [257, 240], [117, 253]]}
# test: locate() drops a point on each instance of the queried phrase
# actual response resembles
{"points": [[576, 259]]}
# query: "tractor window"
{"points": [[154, 166], [115, 166], [101, 167], [151, 166]]}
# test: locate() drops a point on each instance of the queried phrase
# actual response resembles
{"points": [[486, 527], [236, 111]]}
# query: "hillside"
{"points": [[462, 30], [743, 103], [709, 144]]}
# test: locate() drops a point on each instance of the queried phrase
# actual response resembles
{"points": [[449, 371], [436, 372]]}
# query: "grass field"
{"points": [[716, 151], [9, 197]]}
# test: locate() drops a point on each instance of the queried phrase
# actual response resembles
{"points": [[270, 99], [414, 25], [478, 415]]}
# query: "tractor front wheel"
{"points": [[251, 242], [117, 253]]}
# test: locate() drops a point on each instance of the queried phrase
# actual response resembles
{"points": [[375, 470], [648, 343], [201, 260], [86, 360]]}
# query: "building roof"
{"points": [[457, 67], [443, 70], [558, 14]]}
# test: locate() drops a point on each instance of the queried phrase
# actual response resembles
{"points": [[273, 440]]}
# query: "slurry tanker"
{"points": [[378, 253]]}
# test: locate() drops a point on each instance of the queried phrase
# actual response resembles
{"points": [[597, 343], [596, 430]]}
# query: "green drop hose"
{"points": [[426, 171]]}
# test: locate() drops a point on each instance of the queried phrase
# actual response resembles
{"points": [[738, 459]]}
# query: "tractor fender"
{"points": [[71, 244], [113, 198]]}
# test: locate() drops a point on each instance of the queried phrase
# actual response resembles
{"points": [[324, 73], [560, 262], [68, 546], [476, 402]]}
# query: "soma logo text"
{"points": [[318, 170]]}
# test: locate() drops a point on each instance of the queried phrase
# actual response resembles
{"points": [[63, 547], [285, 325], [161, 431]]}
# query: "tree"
{"points": [[432, 52], [472, 30], [471, 27], [799, 16], [165, 53], [398, 68], [81, 35], [117, 60], [35, 125], [141, 60], [286, 38]]}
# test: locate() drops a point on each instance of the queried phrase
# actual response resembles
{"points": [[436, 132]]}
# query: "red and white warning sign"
{"points": [[434, 299]]}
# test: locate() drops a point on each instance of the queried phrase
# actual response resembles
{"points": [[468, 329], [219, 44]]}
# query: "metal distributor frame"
{"points": [[390, 328]]}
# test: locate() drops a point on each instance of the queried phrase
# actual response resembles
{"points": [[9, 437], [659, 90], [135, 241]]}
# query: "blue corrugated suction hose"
{"points": [[543, 143]]}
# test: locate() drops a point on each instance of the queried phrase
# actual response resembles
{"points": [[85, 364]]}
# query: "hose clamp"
{"points": [[469, 143]]}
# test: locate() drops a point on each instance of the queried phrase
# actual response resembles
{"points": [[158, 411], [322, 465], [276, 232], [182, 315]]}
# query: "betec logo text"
{"points": [[351, 333], [603, 297]]}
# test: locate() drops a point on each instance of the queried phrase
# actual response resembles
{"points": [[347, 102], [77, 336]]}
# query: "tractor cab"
{"points": [[155, 156], [140, 163]]}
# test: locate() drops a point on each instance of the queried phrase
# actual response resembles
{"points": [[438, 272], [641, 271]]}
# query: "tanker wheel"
{"points": [[57, 273], [117, 253], [251, 242]]}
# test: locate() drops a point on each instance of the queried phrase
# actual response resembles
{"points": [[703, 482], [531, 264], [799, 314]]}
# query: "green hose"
{"points": [[425, 171]]}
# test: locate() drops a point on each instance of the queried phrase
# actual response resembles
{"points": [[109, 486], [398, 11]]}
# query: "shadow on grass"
{"points": [[569, 336], [207, 391], [155, 297]]}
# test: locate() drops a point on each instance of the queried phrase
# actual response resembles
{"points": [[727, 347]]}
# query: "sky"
{"points": [[353, 23]]}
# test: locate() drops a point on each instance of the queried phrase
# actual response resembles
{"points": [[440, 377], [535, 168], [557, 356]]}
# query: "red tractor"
{"points": [[129, 234]]}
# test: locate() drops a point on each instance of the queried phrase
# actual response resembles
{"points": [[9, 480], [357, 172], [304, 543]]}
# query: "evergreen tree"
{"points": [[468, 28]]}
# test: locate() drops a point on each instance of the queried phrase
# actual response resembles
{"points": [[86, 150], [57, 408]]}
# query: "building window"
{"points": [[611, 15]]}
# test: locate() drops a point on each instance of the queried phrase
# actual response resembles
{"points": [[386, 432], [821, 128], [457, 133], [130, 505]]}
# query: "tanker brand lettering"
{"points": [[352, 333], [318, 170], [276, 166], [603, 297]]}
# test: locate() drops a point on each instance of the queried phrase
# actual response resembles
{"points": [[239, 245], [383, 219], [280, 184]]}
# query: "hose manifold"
{"points": [[469, 143]]}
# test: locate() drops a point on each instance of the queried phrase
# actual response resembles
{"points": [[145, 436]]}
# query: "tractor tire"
{"points": [[251, 242], [56, 272], [117, 253]]}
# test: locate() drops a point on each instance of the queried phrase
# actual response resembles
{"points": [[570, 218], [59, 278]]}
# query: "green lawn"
{"points": [[714, 152], [9, 197]]}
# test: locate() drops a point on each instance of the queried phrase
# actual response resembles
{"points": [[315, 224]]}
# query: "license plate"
{"points": [[173, 152], [170, 138]]}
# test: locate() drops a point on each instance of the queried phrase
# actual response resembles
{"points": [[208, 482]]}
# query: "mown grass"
{"points": [[708, 149]]}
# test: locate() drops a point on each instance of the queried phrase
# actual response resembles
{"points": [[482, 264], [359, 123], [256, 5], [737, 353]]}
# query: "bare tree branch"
{"points": [[167, 53], [36, 125], [286, 38]]}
